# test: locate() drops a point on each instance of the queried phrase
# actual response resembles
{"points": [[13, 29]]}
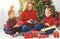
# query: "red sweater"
{"points": [[49, 20], [27, 15]]}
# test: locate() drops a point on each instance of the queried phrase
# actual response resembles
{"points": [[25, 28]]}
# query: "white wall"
{"points": [[5, 5], [56, 3]]}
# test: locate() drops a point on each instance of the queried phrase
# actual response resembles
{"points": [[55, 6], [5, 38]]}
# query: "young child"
{"points": [[11, 23], [49, 22]]}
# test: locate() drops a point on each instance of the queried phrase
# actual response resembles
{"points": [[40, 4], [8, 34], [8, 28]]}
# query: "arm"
{"points": [[36, 18], [21, 20], [22, 16], [48, 28], [8, 23], [45, 23]]}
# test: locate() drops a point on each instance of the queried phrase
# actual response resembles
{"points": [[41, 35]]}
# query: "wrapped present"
{"points": [[28, 35], [43, 36], [34, 33], [56, 34]]}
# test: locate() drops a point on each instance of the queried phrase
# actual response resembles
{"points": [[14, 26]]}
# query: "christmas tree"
{"points": [[40, 6]]}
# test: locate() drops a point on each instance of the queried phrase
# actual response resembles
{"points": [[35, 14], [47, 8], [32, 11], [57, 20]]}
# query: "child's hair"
{"points": [[26, 5], [49, 8], [51, 11], [10, 12], [12, 6]]}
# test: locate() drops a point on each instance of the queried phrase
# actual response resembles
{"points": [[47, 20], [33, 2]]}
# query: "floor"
{"points": [[5, 36]]}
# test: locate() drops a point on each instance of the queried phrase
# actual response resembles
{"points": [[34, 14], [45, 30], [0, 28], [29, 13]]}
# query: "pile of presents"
{"points": [[37, 34]]}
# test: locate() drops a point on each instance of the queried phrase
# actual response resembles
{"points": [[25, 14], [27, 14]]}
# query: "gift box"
{"points": [[43, 36], [56, 34], [28, 35], [34, 33]]}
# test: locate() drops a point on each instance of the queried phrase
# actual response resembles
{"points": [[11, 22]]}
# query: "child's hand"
{"points": [[47, 24], [15, 26]]}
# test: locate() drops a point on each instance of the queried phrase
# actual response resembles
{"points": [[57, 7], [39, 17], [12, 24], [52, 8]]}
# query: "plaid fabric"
{"points": [[10, 24]]}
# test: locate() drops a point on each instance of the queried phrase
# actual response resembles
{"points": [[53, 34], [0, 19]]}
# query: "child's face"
{"points": [[29, 6], [11, 15], [48, 13]]}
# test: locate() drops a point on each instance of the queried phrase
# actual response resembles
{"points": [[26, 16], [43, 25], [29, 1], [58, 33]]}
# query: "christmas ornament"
{"points": [[45, 0]]}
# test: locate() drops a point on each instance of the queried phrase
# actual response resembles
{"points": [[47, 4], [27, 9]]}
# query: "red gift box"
{"points": [[28, 35], [34, 33], [56, 34], [58, 18], [43, 36]]}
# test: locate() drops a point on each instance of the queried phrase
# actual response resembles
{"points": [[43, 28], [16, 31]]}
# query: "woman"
{"points": [[28, 19]]}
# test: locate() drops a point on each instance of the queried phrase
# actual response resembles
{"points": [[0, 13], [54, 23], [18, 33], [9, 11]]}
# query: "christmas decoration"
{"points": [[40, 6], [56, 34]]}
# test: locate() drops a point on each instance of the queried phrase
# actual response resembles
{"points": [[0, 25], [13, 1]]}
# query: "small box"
{"points": [[43, 36], [28, 35], [56, 34]]}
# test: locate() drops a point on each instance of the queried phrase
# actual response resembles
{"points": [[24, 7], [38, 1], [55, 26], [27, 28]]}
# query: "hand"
{"points": [[15, 26], [47, 24]]}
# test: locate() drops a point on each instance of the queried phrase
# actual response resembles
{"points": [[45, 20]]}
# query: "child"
{"points": [[28, 19], [10, 23], [49, 22]]}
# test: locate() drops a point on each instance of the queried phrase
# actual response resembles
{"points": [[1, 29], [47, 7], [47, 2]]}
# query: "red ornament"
{"points": [[58, 18], [47, 0], [34, 33], [56, 34]]}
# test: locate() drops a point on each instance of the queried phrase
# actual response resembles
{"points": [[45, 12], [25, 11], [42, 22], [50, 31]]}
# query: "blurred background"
{"points": [[5, 5]]}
